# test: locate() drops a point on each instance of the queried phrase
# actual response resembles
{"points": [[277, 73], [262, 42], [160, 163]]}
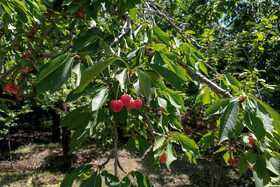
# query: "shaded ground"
{"points": [[40, 165]]}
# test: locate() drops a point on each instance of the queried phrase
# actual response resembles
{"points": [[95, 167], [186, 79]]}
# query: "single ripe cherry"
{"points": [[149, 141], [235, 161], [162, 158], [137, 104], [26, 55], [125, 99], [251, 140], [81, 8], [229, 162], [116, 105], [130, 105], [249, 166]]}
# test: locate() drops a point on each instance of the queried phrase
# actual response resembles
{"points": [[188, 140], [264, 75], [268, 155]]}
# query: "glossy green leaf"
{"points": [[207, 140], [141, 179], [51, 66], [228, 122], [242, 165], [69, 179], [162, 36], [253, 123], [122, 78], [168, 75], [159, 141], [260, 173], [111, 180], [170, 156], [232, 81], [145, 84], [90, 181], [61, 74], [187, 143], [93, 71], [275, 115], [66, 120], [273, 164], [99, 99], [217, 107]]}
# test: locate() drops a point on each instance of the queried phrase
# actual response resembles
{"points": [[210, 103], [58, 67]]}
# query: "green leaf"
{"points": [[221, 149], [187, 143], [90, 181], [232, 81], [66, 2], [273, 164], [125, 182], [228, 122], [51, 66], [145, 84], [203, 68], [159, 141], [207, 140], [68, 180], [78, 136], [61, 74], [142, 181], [162, 36], [122, 77], [93, 71], [92, 88], [111, 180], [275, 115], [260, 173], [217, 107], [168, 75], [99, 99], [242, 165], [170, 157], [251, 158], [255, 125], [66, 120], [21, 15]]}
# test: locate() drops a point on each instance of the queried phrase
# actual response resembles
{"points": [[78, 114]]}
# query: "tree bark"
{"points": [[55, 126], [66, 140]]}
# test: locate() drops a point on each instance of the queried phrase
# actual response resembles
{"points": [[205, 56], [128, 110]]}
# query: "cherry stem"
{"points": [[117, 91]]}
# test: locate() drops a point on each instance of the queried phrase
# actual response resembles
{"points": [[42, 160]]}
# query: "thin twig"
{"points": [[108, 159], [124, 31], [116, 148], [147, 152], [119, 164]]}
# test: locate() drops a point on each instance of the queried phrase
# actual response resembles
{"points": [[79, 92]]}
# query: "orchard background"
{"points": [[202, 75]]}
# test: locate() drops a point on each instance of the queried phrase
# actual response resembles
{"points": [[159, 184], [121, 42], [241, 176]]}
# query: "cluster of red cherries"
{"points": [[11, 87], [126, 101], [81, 12], [235, 160]]}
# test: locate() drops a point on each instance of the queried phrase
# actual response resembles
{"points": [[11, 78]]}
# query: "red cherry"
{"points": [[31, 68], [130, 105], [229, 162], [7, 88], [125, 99], [137, 104], [210, 20], [162, 158], [149, 141], [81, 8], [24, 70], [82, 14], [26, 55], [188, 28], [251, 140], [235, 161], [250, 167], [116, 105]]}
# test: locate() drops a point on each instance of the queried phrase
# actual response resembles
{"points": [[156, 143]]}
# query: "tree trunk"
{"points": [[55, 126], [66, 140]]}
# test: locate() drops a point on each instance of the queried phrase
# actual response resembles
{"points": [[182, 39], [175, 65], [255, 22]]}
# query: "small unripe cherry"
{"points": [[137, 104], [116, 105], [130, 105], [125, 99], [162, 158]]}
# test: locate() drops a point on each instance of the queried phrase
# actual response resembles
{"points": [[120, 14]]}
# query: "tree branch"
{"points": [[147, 152], [203, 79]]}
